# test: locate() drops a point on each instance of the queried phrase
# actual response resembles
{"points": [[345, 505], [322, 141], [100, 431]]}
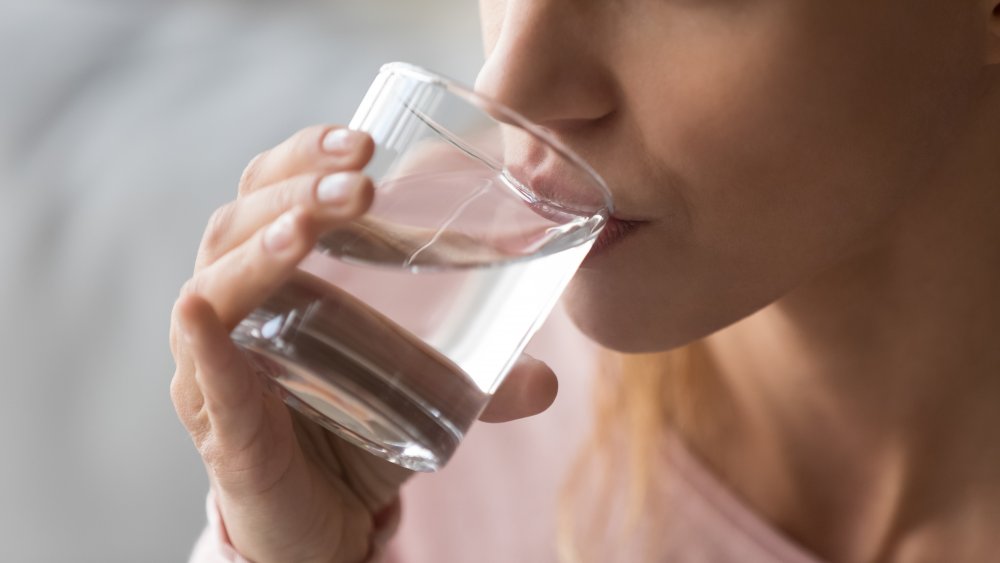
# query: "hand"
{"points": [[288, 490]]}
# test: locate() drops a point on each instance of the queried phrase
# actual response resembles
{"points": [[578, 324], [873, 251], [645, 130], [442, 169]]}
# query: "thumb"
{"points": [[233, 395], [528, 389]]}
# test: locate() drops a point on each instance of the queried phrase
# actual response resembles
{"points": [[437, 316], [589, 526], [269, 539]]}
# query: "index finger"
{"points": [[317, 149]]}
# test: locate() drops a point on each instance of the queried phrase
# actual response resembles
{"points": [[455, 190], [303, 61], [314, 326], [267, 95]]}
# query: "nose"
{"points": [[545, 62]]}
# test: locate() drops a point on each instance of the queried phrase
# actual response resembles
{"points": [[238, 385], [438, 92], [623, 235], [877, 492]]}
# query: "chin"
{"points": [[630, 326], [615, 307]]}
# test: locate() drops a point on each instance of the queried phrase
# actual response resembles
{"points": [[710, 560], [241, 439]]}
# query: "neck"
{"points": [[866, 399]]}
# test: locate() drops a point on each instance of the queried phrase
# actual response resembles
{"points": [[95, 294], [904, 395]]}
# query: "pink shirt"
{"points": [[496, 500]]}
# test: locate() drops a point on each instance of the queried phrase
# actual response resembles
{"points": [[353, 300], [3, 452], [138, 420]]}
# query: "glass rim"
{"points": [[420, 73]]}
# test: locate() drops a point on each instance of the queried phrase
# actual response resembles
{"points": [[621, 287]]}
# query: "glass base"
{"points": [[350, 415], [357, 374]]}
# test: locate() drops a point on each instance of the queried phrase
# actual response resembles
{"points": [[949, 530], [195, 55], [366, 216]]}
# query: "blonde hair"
{"points": [[636, 397]]}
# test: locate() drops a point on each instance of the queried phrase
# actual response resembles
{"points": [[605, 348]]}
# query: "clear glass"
{"points": [[398, 327]]}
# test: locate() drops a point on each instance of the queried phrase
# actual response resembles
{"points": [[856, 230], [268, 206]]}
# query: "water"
{"points": [[437, 292]]}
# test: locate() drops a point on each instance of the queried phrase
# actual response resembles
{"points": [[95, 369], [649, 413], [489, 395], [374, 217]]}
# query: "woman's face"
{"points": [[763, 141]]}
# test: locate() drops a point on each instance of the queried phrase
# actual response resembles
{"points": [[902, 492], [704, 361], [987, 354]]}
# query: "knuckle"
{"points": [[298, 191], [294, 143], [212, 452], [188, 401], [248, 179], [189, 287], [200, 430], [218, 225], [179, 392], [193, 286], [175, 342], [178, 348], [236, 276]]}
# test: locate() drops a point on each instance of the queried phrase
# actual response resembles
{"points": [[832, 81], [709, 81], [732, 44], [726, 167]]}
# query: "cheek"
{"points": [[795, 130], [791, 145]]}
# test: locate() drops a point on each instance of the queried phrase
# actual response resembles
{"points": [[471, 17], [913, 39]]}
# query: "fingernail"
{"points": [[280, 233], [336, 188], [341, 141]]}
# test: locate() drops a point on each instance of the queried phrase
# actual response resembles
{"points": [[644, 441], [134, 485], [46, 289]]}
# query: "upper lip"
{"points": [[551, 177], [551, 183]]}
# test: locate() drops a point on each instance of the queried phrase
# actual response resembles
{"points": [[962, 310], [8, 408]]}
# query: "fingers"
{"points": [[229, 396], [319, 149], [528, 389], [333, 198], [315, 168], [239, 428], [243, 278], [305, 186]]}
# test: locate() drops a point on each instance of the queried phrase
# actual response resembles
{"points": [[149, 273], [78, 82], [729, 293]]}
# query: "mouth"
{"points": [[547, 177], [555, 183], [614, 231]]}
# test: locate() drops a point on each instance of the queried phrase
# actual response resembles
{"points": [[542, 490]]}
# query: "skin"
{"points": [[819, 185], [821, 182], [287, 490]]}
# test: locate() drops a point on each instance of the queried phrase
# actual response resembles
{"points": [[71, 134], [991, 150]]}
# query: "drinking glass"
{"points": [[398, 327]]}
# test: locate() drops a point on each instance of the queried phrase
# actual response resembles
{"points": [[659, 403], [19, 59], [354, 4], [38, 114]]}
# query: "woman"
{"points": [[813, 188]]}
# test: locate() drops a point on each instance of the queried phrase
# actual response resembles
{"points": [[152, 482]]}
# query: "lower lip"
{"points": [[614, 231]]}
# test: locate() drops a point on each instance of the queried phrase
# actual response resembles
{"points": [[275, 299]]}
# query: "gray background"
{"points": [[123, 124]]}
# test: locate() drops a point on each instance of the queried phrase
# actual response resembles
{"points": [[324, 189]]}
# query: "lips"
{"points": [[565, 186], [614, 231], [568, 188]]}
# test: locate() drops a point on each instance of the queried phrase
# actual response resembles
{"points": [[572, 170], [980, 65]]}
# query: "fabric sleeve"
{"points": [[213, 545]]}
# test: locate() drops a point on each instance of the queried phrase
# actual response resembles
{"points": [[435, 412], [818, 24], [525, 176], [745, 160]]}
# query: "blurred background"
{"points": [[123, 124]]}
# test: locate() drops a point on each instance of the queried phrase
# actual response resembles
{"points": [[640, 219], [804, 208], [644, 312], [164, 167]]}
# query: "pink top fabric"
{"points": [[496, 500]]}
